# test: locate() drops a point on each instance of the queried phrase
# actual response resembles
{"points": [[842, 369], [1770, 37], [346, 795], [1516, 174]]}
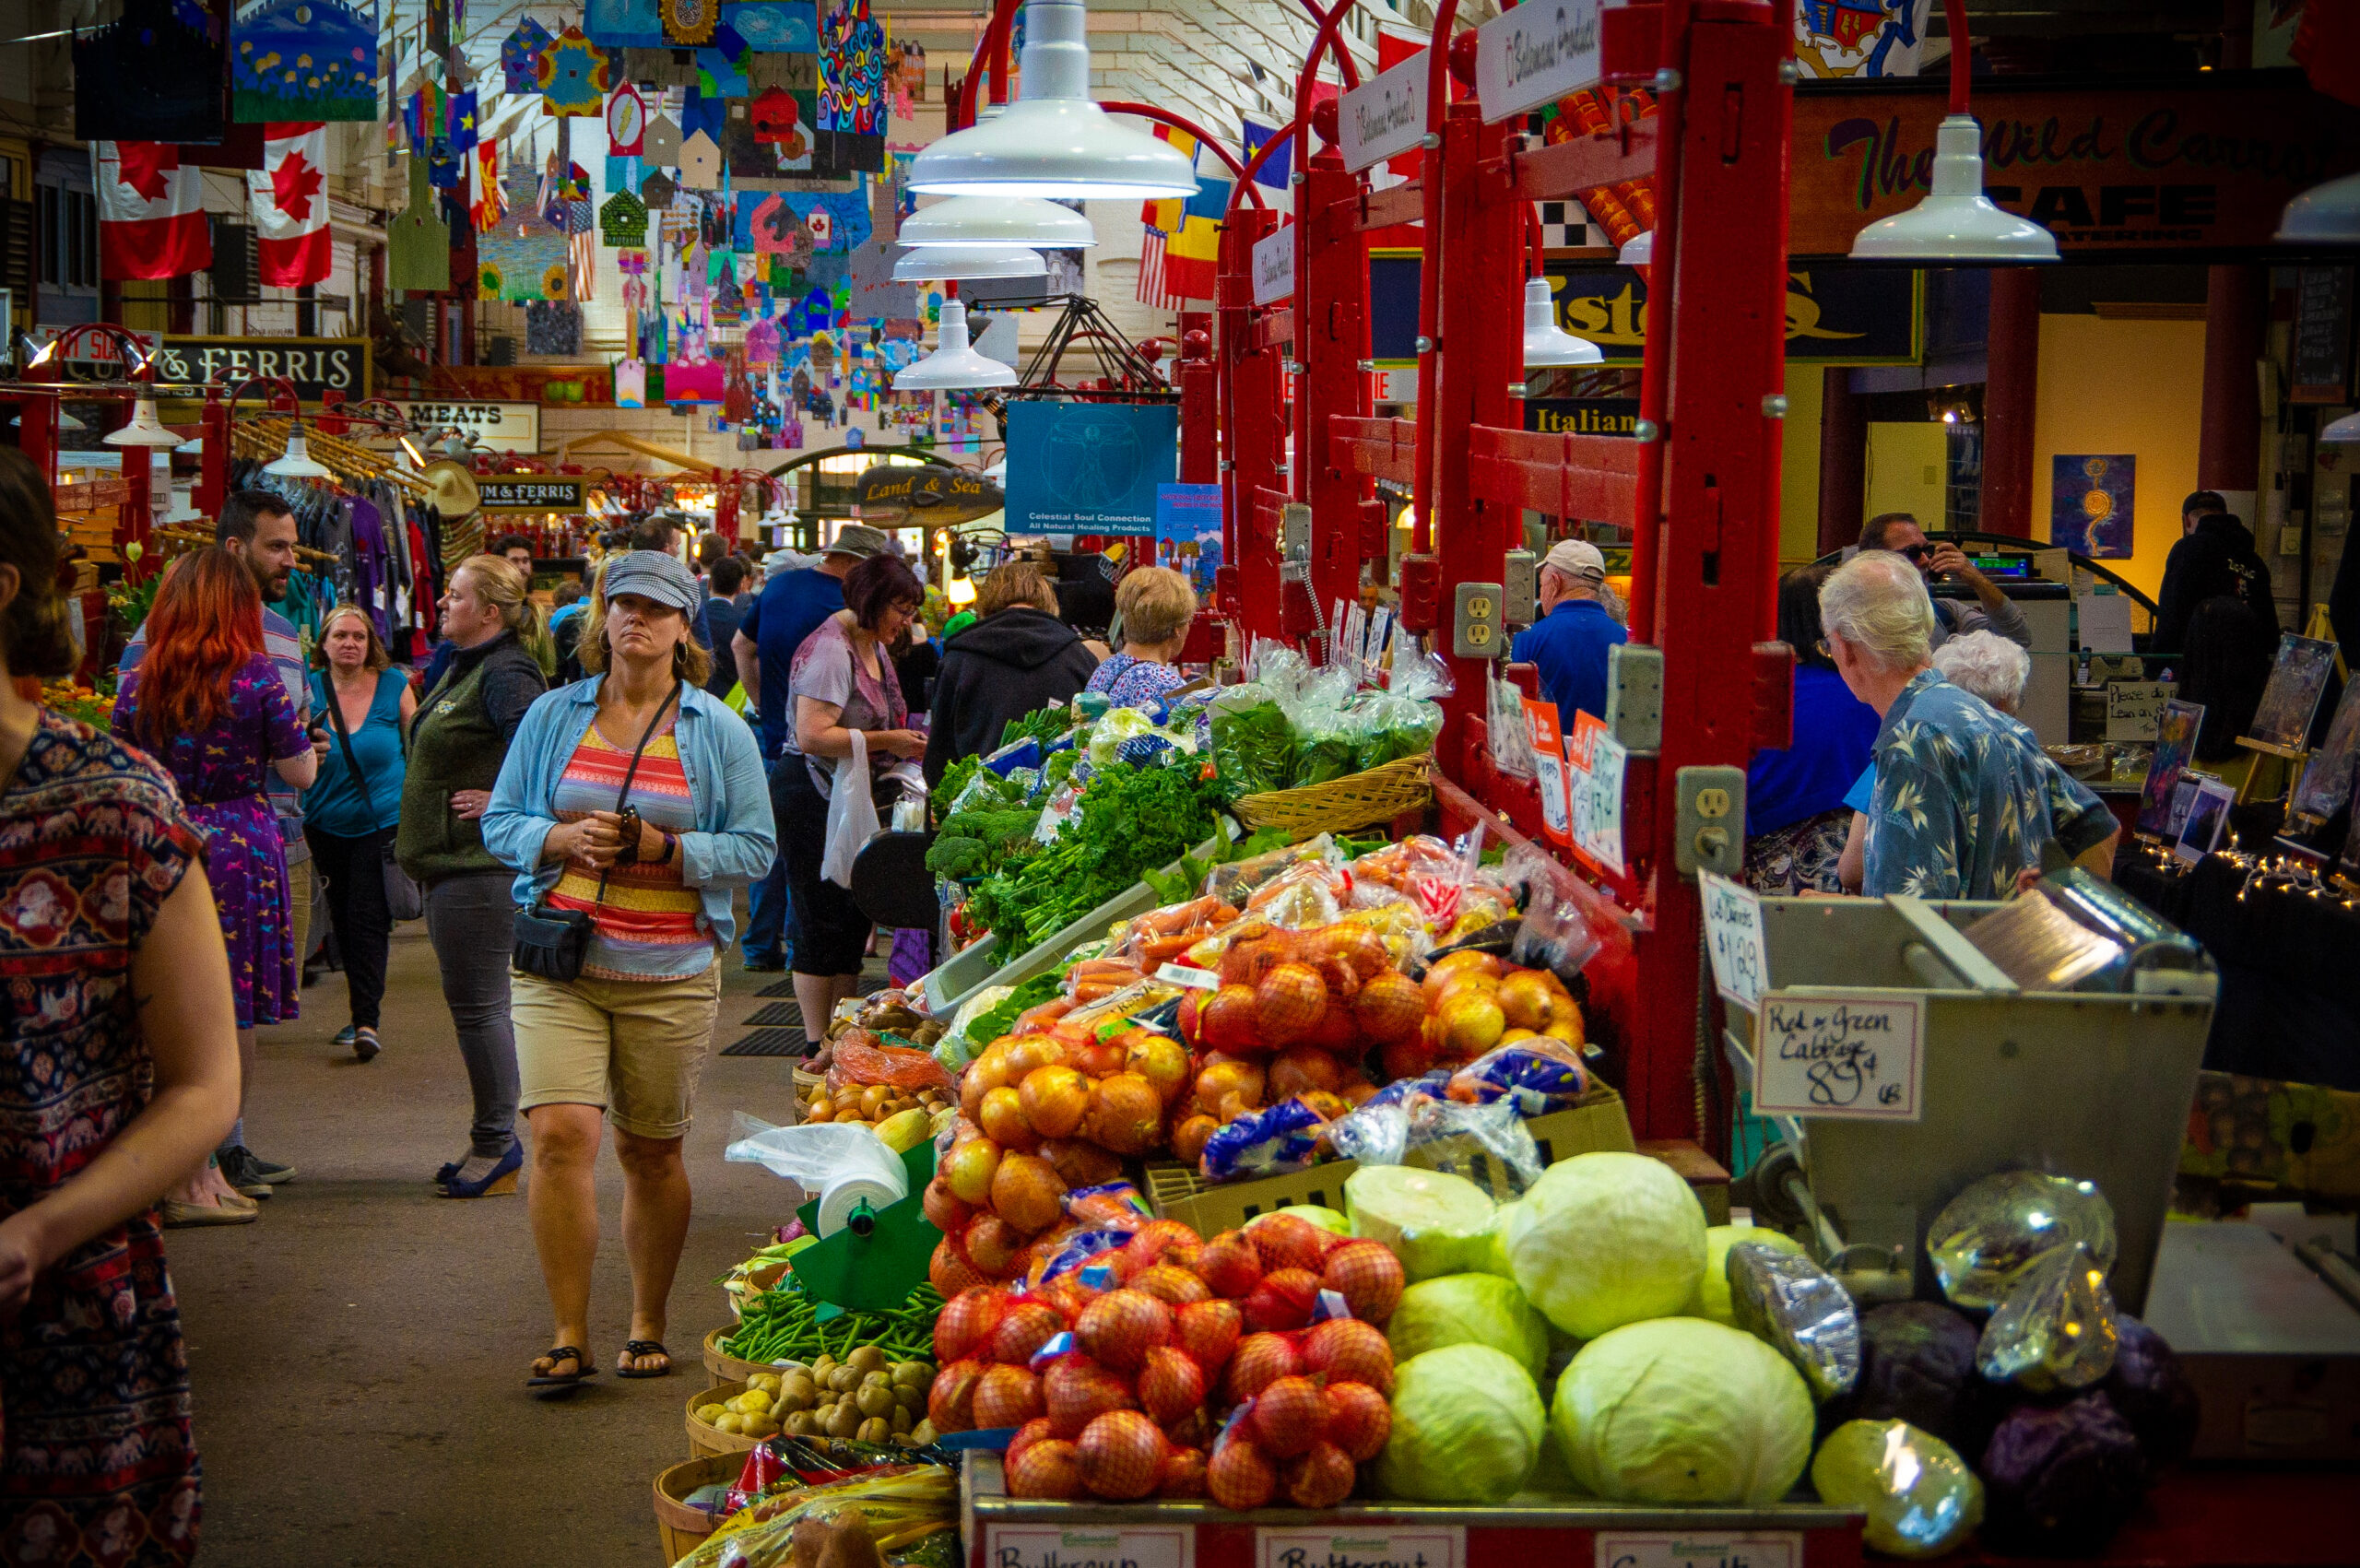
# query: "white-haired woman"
{"points": [[1964, 797], [1984, 662]]}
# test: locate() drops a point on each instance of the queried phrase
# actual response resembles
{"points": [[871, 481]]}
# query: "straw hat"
{"points": [[451, 487]]}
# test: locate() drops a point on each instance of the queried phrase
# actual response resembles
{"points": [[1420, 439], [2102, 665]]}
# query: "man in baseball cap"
{"points": [[1570, 640], [792, 604]]}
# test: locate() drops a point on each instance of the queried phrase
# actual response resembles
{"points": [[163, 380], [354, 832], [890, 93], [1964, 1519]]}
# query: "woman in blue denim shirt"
{"points": [[625, 1040]]}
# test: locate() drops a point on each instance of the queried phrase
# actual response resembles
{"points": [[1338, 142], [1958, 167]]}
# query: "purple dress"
{"points": [[222, 772]]}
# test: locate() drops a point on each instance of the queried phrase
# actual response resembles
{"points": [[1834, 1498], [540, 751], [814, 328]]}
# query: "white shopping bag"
{"points": [[851, 814]]}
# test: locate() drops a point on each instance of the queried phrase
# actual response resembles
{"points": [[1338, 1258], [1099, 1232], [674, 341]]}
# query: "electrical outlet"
{"points": [[1711, 832], [1476, 627]]}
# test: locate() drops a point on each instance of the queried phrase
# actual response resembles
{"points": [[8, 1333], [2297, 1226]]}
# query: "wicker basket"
{"points": [[705, 1441], [726, 1367], [684, 1529], [1355, 800]]}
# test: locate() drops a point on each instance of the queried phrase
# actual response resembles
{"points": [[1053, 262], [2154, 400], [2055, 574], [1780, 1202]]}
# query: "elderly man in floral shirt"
{"points": [[1964, 796]]}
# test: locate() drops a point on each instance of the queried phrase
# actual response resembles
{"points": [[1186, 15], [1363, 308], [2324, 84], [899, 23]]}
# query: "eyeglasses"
{"points": [[1915, 552]]}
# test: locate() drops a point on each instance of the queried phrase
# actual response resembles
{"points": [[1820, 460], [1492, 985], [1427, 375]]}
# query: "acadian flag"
{"points": [[152, 211], [1188, 229], [289, 200]]}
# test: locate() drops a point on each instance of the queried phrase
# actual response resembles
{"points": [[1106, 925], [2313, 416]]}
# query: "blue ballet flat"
{"points": [[498, 1182]]}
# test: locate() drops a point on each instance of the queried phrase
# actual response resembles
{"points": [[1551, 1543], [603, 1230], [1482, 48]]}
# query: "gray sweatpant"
{"points": [[471, 920]]}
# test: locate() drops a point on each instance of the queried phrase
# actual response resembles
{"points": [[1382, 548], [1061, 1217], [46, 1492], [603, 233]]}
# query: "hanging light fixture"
{"points": [[1546, 344], [2324, 215], [298, 464], [1956, 222], [1054, 140], [1639, 250], [954, 366], [2342, 432], [963, 262], [972, 222], [144, 429]]}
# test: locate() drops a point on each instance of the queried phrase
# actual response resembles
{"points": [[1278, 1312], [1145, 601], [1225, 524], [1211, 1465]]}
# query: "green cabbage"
{"points": [[1681, 1411], [1712, 1297], [1922, 1499], [1492, 1255], [1602, 1240], [1467, 1427], [1468, 1309], [1434, 1221]]}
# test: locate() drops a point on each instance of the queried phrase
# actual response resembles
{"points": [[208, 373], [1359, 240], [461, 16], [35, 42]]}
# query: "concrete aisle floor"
{"points": [[358, 1355]]}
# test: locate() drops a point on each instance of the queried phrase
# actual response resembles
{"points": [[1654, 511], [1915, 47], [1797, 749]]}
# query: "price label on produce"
{"points": [[1548, 768], [1623, 1548], [1597, 803], [1123, 1546], [1733, 940], [1834, 1053], [1328, 1548]]}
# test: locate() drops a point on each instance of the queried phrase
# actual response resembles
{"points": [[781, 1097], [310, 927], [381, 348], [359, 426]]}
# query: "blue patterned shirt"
{"points": [[1965, 798]]}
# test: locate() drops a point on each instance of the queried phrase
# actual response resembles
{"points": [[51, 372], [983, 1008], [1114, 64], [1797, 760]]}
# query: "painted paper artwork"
{"points": [[623, 24], [573, 75], [520, 56], [2090, 504], [688, 23], [855, 107], [552, 326], [2175, 745], [1860, 38], [303, 60], [775, 26], [522, 258], [626, 122], [623, 222], [163, 73], [417, 242], [2297, 680], [2328, 777]]}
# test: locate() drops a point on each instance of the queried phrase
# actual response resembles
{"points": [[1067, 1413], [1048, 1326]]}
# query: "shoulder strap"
{"points": [[623, 796], [343, 735]]}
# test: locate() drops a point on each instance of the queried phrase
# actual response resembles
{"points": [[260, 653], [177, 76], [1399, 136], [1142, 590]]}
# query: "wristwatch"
{"points": [[671, 846]]}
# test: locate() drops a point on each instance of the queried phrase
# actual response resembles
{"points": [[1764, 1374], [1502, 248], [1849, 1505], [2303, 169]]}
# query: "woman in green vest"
{"points": [[462, 736]]}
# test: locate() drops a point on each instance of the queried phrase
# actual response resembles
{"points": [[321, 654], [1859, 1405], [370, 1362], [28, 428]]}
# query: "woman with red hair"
{"points": [[209, 705]]}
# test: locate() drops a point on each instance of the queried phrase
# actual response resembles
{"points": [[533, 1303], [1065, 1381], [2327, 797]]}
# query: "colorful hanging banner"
{"points": [[520, 56], [573, 75], [303, 60]]}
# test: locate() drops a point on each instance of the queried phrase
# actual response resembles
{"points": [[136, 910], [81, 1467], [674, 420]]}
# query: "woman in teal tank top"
{"points": [[365, 706]]}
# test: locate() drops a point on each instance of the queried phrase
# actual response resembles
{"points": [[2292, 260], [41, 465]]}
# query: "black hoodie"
{"points": [[1018, 661], [2217, 559]]}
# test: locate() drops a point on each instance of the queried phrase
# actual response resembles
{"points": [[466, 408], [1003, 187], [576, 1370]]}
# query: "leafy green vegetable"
{"points": [[955, 778], [1044, 724], [1252, 745], [1180, 884], [997, 1020], [954, 856], [1130, 820]]}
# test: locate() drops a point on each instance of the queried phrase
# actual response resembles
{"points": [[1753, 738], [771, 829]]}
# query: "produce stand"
{"points": [[1009, 1532]]}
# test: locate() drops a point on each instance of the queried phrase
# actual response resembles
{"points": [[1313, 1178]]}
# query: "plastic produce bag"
{"points": [[1986, 1238], [1325, 737], [1920, 1498], [1555, 933], [1267, 1142], [1253, 743], [852, 815], [1535, 1077], [1510, 739], [1278, 668], [1119, 725], [1799, 1310], [1402, 720], [2056, 1329], [861, 1060], [842, 1162], [1488, 1145]]}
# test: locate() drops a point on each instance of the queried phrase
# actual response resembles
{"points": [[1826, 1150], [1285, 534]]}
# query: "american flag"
{"points": [[1151, 291]]}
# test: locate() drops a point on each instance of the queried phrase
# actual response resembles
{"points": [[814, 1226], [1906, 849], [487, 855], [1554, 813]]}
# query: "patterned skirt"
{"points": [[245, 860], [1800, 858]]}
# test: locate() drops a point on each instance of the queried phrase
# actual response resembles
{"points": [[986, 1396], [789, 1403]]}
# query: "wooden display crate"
{"points": [[1598, 1124]]}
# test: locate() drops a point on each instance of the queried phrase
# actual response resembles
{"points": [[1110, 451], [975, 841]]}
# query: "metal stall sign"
{"points": [[316, 365], [1535, 53], [2205, 163], [1384, 115], [498, 426], [902, 495], [1089, 467], [1846, 316], [530, 493]]}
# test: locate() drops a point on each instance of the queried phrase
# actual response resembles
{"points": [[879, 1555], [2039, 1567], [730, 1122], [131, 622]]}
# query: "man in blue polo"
{"points": [[1571, 638]]}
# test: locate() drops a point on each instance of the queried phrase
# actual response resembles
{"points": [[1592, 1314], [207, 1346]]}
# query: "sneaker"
{"points": [[244, 1170]]}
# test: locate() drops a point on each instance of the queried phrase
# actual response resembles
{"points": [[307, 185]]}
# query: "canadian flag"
{"points": [[290, 204], [152, 211]]}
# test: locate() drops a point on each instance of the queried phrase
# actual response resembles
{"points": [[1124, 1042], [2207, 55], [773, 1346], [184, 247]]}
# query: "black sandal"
{"points": [[634, 1349], [552, 1385]]}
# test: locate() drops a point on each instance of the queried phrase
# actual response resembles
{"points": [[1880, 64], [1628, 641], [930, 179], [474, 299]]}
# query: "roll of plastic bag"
{"points": [[842, 1162]]}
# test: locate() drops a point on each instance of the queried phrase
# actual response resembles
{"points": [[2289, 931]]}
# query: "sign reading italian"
{"points": [[316, 365], [1384, 115], [530, 493], [1535, 53]]}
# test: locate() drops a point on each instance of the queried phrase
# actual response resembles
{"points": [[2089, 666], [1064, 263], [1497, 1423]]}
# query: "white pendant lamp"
{"points": [[1545, 344], [1001, 221], [2324, 215], [298, 464], [1054, 140], [144, 429], [954, 366], [2342, 432], [1639, 250], [963, 262], [1956, 222]]}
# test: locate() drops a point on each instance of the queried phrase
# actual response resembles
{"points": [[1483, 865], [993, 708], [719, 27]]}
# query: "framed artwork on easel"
{"points": [[2175, 729], [2297, 680]]}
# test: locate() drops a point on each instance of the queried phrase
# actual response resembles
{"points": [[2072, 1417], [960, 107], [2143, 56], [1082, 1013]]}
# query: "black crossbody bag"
{"points": [[552, 943]]}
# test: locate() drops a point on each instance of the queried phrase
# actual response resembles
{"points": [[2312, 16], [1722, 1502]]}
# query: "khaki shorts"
{"points": [[635, 1049]]}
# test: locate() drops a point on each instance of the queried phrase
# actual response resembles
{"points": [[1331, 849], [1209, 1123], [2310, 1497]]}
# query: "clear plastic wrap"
{"points": [[1922, 1499], [2055, 1330], [1535, 1077], [1165, 936], [1555, 934], [1277, 1138], [1488, 1145], [1253, 743], [1985, 1239], [1280, 668], [1403, 719], [1799, 1310], [1235, 882], [1327, 739], [1506, 733], [1107, 735]]}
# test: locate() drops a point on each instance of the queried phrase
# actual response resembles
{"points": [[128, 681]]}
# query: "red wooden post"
{"points": [[1257, 424], [2011, 391], [1198, 377], [1331, 339]]}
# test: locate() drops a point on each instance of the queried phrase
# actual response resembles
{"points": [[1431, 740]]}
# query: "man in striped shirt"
{"points": [[258, 528]]}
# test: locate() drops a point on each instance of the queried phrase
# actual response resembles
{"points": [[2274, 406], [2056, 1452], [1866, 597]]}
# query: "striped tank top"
{"points": [[645, 927]]}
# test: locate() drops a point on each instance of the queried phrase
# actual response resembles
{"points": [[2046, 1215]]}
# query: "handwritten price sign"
{"points": [[1836, 1054], [1734, 941]]}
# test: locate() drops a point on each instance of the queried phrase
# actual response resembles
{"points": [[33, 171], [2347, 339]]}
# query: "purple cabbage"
{"points": [[2150, 1390], [2061, 1478], [1918, 1365]]}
